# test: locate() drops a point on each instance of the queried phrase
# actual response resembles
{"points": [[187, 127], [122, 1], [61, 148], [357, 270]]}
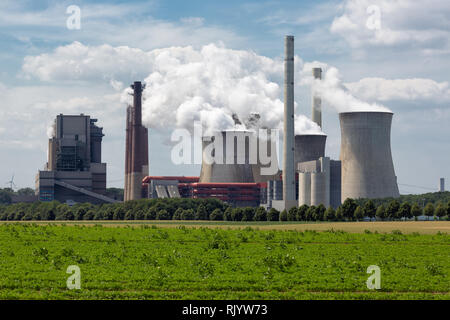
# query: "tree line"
{"points": [[7, 194], [213, 209], [422, 199]]}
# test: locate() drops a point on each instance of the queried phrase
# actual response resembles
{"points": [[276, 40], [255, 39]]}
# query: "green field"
{"points": [[148, 262]]}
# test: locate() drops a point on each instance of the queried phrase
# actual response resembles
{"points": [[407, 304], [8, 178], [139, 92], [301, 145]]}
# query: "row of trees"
{"points": [[7, 194], [392, 210], [146, 209], [422, 199], [213, 209]]}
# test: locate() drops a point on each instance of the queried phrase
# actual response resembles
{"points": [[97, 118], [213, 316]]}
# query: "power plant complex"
{"points": [[233, 168]]}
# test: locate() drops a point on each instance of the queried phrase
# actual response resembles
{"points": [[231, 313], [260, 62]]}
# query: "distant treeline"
{"points": [[213, 209], [421, 199], [7, 194]]}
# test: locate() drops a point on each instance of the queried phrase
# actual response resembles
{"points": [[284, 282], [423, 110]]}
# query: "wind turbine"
{"points": [[11, 183]]}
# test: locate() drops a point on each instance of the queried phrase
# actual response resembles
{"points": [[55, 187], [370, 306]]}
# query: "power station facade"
{"points": [[74, 170]]}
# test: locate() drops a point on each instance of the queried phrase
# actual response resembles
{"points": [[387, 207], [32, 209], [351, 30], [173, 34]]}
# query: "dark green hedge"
{"points": [[213, 209]]}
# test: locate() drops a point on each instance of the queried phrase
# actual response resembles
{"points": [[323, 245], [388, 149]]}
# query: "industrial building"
{"points": [[308, 176], [74, 171], [315, 179], [320, 182], [235, 179], [235, 193]]}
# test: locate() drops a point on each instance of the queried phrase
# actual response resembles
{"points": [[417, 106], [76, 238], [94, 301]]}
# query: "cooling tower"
{"points": [[244, 163], [367, 167], [309, 147], [264, 171], [218, 166]]}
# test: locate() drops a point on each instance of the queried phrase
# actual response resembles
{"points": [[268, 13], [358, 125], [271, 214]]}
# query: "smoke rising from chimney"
{"points": [[210, 85], [333, 92], [214, 83]]}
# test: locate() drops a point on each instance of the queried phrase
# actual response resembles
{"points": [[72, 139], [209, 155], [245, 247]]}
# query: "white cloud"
{"points": [[28, 111], [194, 21], [304, 16], [79, 62], [379, 89], [117, 24], [422, 24], [209, 84], [117, 85]]}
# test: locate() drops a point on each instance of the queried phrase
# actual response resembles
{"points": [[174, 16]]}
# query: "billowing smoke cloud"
{"points": [[333, 92], [208, 84], [401, 89], [50, 131], [213, 83]]}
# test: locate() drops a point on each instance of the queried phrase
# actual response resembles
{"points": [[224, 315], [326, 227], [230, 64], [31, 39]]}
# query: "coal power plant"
{"points": [[364, 170], [239, 165]]}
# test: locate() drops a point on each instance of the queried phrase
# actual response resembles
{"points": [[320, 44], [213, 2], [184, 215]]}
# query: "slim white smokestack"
{"points": [[316, 100], [288, 141]]}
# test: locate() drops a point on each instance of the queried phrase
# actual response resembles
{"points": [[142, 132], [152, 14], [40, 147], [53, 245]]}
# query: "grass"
{"points": [[142, 261]]}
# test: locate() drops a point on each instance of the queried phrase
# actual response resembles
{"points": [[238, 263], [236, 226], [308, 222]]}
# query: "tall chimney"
{"points": [[126, 189], [288, 129], [138, 146], [316, 100]]}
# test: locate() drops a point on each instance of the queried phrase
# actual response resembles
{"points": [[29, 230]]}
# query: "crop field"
{"points": [[422, 227], [149, 262]]}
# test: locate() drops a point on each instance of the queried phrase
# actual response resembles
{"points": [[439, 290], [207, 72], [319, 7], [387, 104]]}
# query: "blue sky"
{"points": [[403, 66]]}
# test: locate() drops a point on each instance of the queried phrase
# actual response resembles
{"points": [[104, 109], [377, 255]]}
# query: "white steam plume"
{"points": [[212, 84], [333, 92], [50, 131]]}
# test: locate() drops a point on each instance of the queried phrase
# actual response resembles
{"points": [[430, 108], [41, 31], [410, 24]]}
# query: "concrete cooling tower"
{"points": [[222, 170], [309, 147], [367, 167], [243, 164]]}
